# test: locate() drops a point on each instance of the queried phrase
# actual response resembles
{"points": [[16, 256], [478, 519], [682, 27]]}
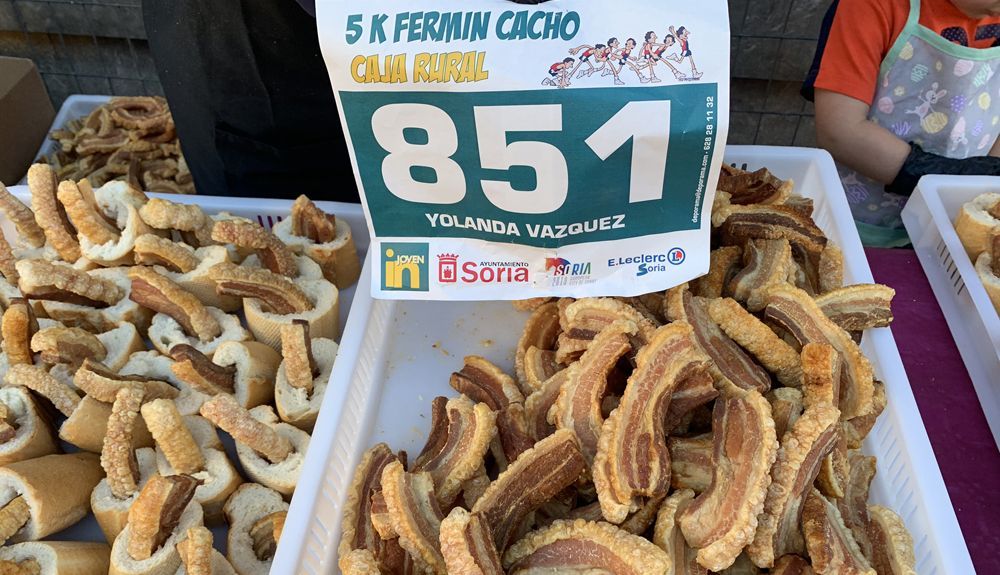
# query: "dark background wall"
{"points": [[99, 47]]}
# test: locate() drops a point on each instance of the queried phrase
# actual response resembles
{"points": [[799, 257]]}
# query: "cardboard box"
{"points": [[26, 114]]}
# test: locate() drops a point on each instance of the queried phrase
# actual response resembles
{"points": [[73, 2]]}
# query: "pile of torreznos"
{"points": [[714, 427], [135, 330]]}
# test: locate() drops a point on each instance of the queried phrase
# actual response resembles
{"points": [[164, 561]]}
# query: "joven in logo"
{"points": [[404, 266]]}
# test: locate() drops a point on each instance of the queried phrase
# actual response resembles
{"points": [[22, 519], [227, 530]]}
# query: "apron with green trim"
{"points": [[943, 97]]}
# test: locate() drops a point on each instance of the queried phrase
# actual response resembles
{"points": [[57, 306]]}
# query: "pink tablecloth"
{"points": [[962, 442]]}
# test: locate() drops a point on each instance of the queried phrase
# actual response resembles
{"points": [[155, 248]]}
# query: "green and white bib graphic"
{"points": [[558, 149]]}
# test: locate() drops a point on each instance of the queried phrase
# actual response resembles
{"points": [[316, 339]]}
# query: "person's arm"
{"points": [[995, 150], [843, 129]]}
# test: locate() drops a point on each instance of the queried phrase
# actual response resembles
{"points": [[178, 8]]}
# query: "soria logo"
{"points": [[470, 272]]}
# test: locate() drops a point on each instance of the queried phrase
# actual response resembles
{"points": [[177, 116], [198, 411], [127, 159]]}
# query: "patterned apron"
{"points": [[939, 95]]}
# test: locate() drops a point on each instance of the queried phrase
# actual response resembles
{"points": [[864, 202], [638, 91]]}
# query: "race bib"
{"points": [[508, 151]]}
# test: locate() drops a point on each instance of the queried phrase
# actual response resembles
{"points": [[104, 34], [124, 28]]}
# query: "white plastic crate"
{"points": [[929, 217], [267, 212], [396, 356], [73, 107]]}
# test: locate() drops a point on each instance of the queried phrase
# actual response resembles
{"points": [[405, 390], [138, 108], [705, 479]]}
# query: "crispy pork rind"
{"points": [[786, 407], [584, 546], [766, 263], [892, 544], [798, 313], [119, 203], [691, 462], [667, 535], [541, 332], [110, 510], [271, 452], [763, 222], [538, 404], [722, 520], [578, 408], [798, 462], [158, 520], [247, 235], [830, 544], [188, 219], [745, 329], [757, 187], [467, 545], [191, 445], [19, 325], [35, 378], [483, 382], [102, 384], [324, 238], [416, 517], [43, 280], [114, 307], [198, 557], [461, 432], [300, 405], [28, 230], [723, 264], [24, 432], [49, 213], [357, 532], [165, 332], [69, 345], [858, 307], [583, 319], [729, 362], [154, 365], [199, 280], [632, 461], [246, 508]]}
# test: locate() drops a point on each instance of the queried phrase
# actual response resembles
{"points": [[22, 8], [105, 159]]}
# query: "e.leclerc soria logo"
{"points": [[404, 266]]}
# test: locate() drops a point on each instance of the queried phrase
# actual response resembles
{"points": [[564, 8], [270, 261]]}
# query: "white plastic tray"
{"points": [[929, 217], [73, 107], [267, 212], [396, 356]]}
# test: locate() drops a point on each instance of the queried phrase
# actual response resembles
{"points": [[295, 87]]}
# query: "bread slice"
{"points": [[294, 405], [33, 436], [199, 282], [118, 201], [88, 424], [307, 268], [120, 342], [111, 512], [984, 268], [219, 478], [165, 333], [220, 565], [284, 475], [338, 258], [256, 366], [165, 560], [974, 224], [250, 503], [156, 365], [324, 318], [55, 502], [61, 557]]}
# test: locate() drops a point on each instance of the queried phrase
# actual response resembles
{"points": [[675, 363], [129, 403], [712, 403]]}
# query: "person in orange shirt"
{"points": [[905, 88]]}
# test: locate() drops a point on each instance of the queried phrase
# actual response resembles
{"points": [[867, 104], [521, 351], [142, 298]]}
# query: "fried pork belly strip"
{"points": [[536, 477], [578, 407], [723, 264], [729, 361], [857, 429], [830, 544], [483, 382], [892, 545], [538, 404], [767, 263], [467, 545], [690, 394], [357, 531], [786, 407], [512, 432], [757, 187], [799, 458], [415, 514], [773, 353], [820, 375], [831, 268], [796, 311], [691, 462], [461, 432], [585, 318], [539, 366], [772, 223], [632, 459], [722, 520], [853, 505], [541, 332], [667, 535], [834, 473], [858, 307], [791, 565], [585, 547]]}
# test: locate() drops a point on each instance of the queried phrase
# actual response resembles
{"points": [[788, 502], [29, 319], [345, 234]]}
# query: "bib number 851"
{"points": [[645, 123]]}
